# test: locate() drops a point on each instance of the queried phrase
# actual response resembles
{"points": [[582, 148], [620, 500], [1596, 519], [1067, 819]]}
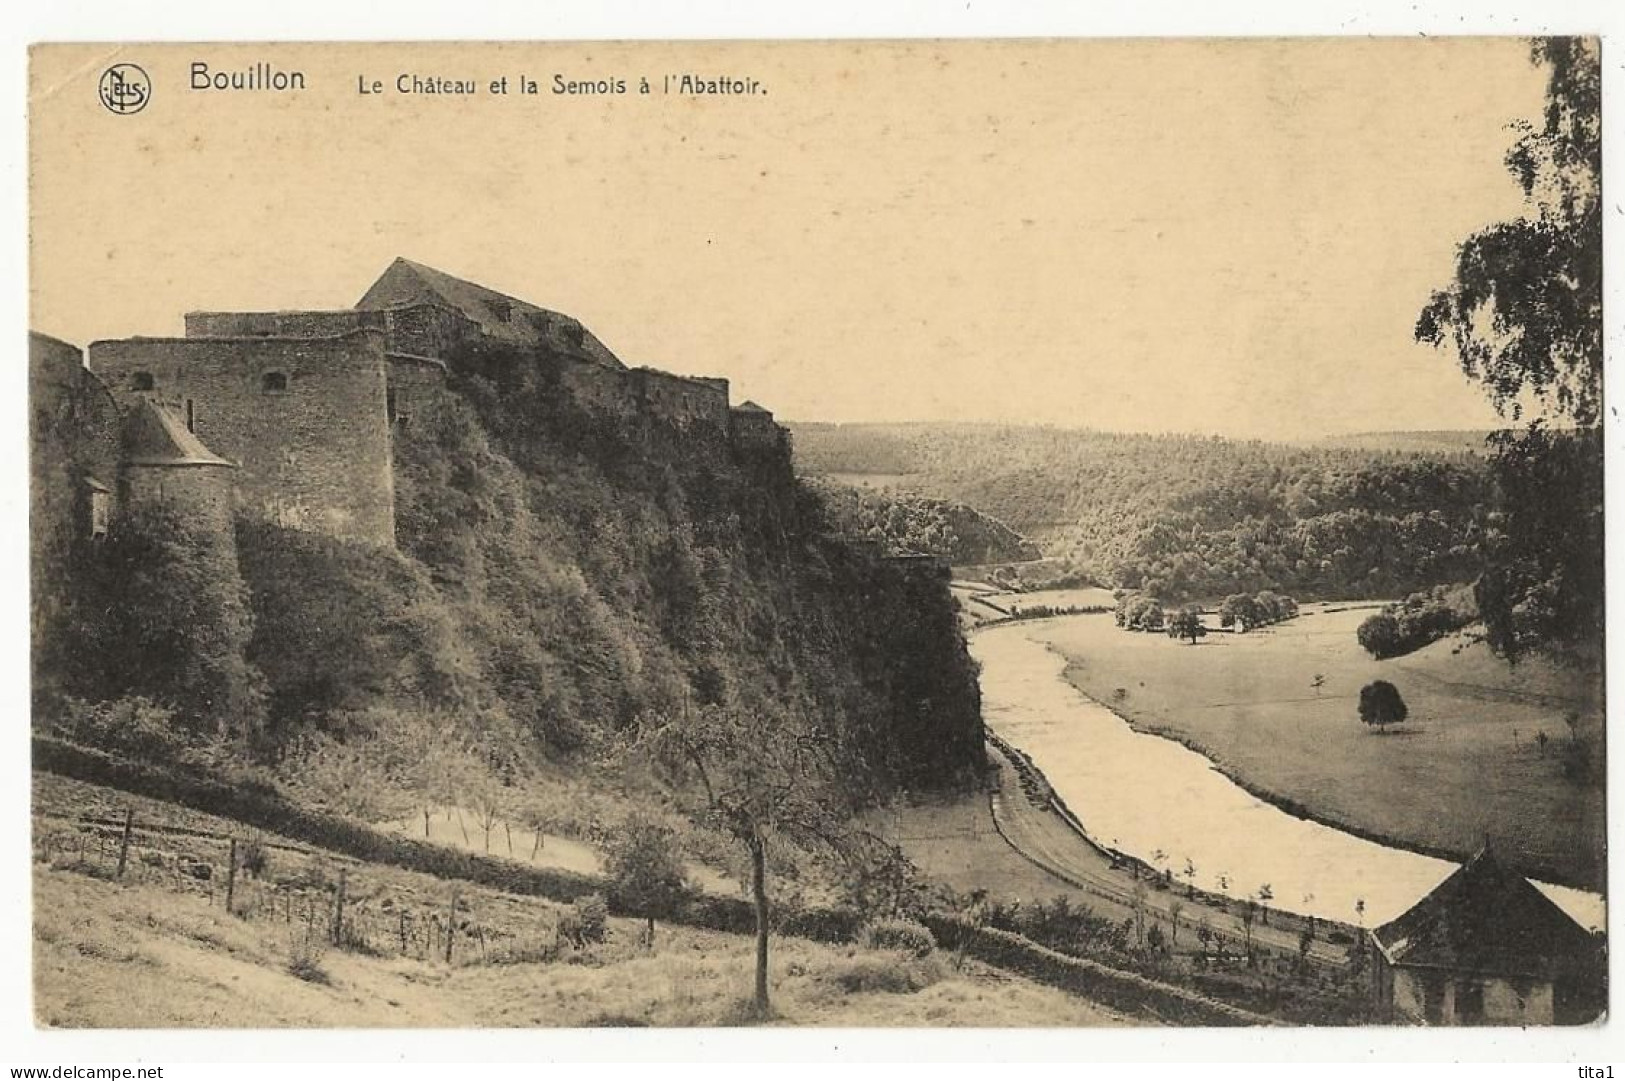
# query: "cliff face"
{"points": [[565, 570]]}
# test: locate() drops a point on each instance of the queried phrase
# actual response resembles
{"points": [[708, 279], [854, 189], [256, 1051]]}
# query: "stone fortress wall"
{"points": [[305, 403], [306, 419]]}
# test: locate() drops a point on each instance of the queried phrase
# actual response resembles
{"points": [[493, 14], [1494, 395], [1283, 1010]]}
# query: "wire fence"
{"points": [[318, 897]]}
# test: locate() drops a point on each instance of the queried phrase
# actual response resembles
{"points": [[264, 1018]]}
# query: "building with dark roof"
{"points": [[754, 426], [303, 408], [497, 316], [1487, 947]]}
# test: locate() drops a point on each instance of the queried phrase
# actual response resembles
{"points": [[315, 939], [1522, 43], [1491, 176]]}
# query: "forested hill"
{"points": [[901, 524], [1192, 516], [1420, 442]]}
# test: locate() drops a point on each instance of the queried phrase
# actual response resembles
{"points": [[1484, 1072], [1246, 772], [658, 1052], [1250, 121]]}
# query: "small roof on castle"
{"points": [[498, 315], [155, 436], [751, 407], [1485, 919]]}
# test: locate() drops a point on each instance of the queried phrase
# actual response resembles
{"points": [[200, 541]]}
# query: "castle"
{"points": [[292, 414]]}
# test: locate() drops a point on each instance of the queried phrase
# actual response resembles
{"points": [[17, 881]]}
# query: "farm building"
{"points": [[1487, 948]]}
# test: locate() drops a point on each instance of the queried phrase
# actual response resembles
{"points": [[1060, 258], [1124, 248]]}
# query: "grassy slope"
{"points": [[139, 956], [1451, 773]]}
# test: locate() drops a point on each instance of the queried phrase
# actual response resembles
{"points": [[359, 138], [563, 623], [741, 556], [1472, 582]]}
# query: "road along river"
{"points": [[1142, 795]]}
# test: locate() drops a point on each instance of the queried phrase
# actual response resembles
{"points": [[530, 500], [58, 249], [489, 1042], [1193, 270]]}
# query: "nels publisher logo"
{"points": [[125, 89]]}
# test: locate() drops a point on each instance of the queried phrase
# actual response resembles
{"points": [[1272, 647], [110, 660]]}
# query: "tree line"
{"points": [[1241, 612], [1183, 517]]}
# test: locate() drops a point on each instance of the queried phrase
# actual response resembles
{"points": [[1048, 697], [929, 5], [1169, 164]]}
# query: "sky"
{"points": [[1213, 236]]}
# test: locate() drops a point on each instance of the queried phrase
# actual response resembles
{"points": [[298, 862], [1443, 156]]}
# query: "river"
{"points": [[1142, 795]]}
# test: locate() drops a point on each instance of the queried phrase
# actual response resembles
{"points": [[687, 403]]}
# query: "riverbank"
{"points": [[1275, 710], [1167, 805]]}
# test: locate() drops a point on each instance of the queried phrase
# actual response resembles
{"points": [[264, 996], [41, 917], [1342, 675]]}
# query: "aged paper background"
{"points": [[924, 230], [1169, 235]]}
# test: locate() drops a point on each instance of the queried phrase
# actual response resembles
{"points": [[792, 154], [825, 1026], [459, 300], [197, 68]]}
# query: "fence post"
{"points": [[451, 923], [338, 910], [124, 841], [231, 874], [403, 930]]}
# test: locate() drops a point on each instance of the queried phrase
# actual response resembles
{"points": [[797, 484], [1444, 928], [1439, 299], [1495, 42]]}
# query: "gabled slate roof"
{"points": [[1489, 920], [499, 316], [751, 407], [155, 436]]}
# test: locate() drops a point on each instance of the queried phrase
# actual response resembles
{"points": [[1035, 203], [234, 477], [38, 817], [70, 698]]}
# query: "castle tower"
{"points": [[305, 419], [166, 464]]}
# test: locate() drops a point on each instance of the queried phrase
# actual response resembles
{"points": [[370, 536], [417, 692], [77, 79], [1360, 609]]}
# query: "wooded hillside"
{"points": [[561, 578], [1191, 516]]}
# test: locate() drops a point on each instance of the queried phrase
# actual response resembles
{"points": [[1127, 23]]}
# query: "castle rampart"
{"points": [[681, 400], [306, 402], [306, 418]]}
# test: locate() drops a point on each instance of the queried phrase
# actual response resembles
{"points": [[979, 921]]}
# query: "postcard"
{"points": [[927, 534]]}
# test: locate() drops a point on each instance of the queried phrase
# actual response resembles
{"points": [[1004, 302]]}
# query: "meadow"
{"points": [[158, 946], [1276, 708]]}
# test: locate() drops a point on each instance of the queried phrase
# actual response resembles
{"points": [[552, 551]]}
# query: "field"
{"points": [[1276, 708], [158, 948], [980, 602]]}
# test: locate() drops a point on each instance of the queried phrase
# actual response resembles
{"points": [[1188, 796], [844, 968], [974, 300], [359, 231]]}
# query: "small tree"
{"points": [[1187, 623], [1239, 611], [487, 800], [764, 780], [646, 873], [1381, 705], [1380, 636], [1155, 940], [1143, 614]]}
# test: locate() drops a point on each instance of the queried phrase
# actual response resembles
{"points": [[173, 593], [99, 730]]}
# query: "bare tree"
{"points": [[487, 800], [764, 781]]}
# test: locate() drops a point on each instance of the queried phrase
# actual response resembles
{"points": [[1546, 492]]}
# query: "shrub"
{"points": [[587, 922], [1137, 612], [646, 870], [136, 726], [254, 856], [305, 959], [1416, 621], [887, 973], [898, 934], [823, 924], [171, 620]]}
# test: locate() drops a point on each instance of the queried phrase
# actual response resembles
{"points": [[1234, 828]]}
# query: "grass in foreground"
{"points": [[139, 956]]}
